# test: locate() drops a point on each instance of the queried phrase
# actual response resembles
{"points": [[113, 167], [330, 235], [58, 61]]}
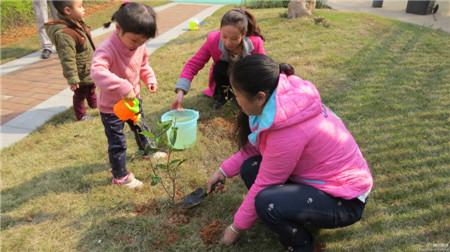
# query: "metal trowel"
{"points": [[196, 197]]}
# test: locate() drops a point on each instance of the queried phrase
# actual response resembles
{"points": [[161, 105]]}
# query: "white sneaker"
{"points": [[128, 181], [159, 155]]}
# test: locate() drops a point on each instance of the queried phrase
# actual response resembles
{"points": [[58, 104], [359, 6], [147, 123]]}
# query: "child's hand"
{"points": [[178, 104], [152, 88], [74, 87], [130, 96], [214, 179]]}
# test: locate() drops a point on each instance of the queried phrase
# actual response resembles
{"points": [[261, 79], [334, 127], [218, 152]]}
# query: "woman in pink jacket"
{"points": [[303, 169], [239, 36]]}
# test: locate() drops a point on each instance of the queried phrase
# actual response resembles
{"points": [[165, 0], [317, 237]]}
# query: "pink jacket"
{"points": [[116, 70], [213, 47], [303, 141]]}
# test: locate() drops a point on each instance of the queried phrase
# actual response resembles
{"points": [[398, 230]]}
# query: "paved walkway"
{"points": [[37, 90], [397, 10]]}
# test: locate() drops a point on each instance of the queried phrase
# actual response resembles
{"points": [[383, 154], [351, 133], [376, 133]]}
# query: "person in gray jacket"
{"points": [[40, 9]]}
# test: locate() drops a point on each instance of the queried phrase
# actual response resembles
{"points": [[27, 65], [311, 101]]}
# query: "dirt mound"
{"points": [[150, 208], [178, 216], [212, 232], [218, 127]]}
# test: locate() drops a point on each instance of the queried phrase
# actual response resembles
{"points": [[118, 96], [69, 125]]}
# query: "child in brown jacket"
{"points": [[75, 48]]}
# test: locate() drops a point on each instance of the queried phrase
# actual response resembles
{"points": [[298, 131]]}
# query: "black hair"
{"points": [[135, 18], [251, 75], [61, 5], [243, 20]]}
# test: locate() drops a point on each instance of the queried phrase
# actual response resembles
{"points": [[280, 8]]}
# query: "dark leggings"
{"points": [[79, 95], [222, 93], [293, 210], [117, 146]]}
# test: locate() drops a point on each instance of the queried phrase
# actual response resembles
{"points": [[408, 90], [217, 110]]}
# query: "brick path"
{"points": [[39, 81]]}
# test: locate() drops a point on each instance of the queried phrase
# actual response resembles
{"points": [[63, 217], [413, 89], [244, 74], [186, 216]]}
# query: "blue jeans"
{"points": [[294, 211], [117, 146]]}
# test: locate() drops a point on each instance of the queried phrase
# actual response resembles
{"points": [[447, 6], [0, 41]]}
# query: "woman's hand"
{"points": [[178, 104], [230, 235], [215, 179]]}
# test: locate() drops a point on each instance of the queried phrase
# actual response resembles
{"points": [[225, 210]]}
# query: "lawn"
{"points": [[388, 80], [29, 44]]}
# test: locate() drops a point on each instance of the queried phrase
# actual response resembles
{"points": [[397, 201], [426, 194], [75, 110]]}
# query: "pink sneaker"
{"points": [[128, 181]]}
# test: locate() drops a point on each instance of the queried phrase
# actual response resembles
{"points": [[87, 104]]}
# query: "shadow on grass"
{"points": [[34, 219], [64, 117], [67, 179]]}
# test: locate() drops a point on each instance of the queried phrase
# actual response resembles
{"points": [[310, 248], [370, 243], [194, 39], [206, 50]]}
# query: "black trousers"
{"points": [[294, 210], [222, 92], [117, 146]]}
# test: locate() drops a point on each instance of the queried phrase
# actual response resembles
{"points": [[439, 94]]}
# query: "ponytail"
{"points": [[243, 20], [242, 129], [286, 69], [252, 28], [113, 18], [135, 18], [251, 75]]}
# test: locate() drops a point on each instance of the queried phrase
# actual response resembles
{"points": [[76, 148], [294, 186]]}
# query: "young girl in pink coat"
{"points": [[303, 169], [238, 37], [118, 66]]}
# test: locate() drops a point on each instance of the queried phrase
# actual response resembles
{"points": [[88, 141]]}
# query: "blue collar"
{"points": [[263, 121]]}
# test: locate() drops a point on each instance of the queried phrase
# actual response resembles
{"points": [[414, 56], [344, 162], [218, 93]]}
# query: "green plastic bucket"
{"points": [[186, 123]]}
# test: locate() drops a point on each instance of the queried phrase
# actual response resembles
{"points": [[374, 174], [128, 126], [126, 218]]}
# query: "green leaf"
{"points": [[149, 149], [180, 163], [155, 180], [177, 162], [173, 136], [148, 134], [161, 166], [166, 128]]}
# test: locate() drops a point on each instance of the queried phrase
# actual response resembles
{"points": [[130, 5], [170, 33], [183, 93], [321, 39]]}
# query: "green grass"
{"points": [[388, 81], [28, 45], [15, 13]]}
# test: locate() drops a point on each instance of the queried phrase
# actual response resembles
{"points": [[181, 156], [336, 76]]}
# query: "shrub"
{"points": [[166, 172], [321, 4], [259, 4], [16, 13]]}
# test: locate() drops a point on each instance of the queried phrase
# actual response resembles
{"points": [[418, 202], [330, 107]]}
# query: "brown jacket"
{"points": [[75, 49]]}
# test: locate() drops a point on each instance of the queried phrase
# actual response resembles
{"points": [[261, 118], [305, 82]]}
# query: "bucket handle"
{"points": [[135, 108]]}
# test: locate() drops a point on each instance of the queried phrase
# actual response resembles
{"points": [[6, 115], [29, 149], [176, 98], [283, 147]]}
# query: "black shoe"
{"points": [[46, 53]]}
